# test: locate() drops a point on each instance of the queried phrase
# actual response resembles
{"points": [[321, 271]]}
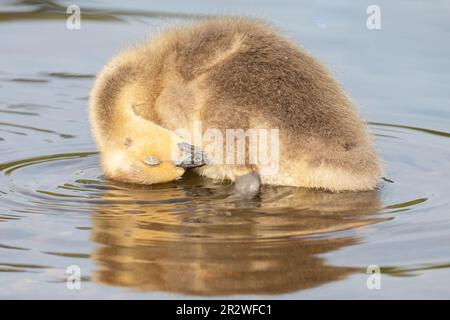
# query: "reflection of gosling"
{"points": [[229, 73], [213, 247]]}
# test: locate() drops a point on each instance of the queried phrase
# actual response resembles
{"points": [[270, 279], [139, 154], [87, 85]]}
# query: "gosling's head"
{"points": [[138, 163]]}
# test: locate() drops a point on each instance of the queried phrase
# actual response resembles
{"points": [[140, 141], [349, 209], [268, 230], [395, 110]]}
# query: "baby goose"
{"points": [[228, 73]]}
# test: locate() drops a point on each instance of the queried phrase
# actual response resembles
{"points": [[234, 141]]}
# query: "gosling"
{"points": [[228, 73]]}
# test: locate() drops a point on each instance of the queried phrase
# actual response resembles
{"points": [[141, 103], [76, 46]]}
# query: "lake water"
{"points": [[192, 238]]}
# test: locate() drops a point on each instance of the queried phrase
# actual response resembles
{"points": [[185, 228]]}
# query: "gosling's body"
{"points": [[229, 73]]}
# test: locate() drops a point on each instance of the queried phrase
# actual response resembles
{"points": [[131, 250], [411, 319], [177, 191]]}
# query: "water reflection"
{"points": [[224, 246], [52, 10]]}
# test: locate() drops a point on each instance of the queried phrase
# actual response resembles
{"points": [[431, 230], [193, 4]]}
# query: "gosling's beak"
{"points": [[191, 156]]}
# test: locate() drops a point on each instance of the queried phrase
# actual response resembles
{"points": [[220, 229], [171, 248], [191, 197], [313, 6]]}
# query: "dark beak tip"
{"points": [[188, 164], [192, 157]]}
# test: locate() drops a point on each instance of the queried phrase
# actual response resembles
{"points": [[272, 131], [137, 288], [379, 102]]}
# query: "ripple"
{"points": [[55, 11], [20, 112], [429, 131], [69, 75], [9, 167], [20, 267], [4, 246], [194, 228], [62, 135], [28, 80], [407, 204], [70, 255], [411, 271]]}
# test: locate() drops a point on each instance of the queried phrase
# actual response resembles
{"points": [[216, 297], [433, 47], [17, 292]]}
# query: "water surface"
{"points": [[193, 238]]}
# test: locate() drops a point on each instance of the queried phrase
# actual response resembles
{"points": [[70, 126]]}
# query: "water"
{"points": [[192, 238]]}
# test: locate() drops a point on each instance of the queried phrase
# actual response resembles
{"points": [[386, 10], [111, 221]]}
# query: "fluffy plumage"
{"points": [[229, 73]]}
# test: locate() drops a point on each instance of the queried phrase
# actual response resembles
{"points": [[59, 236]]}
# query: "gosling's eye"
{"points": [[152, 161]]}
